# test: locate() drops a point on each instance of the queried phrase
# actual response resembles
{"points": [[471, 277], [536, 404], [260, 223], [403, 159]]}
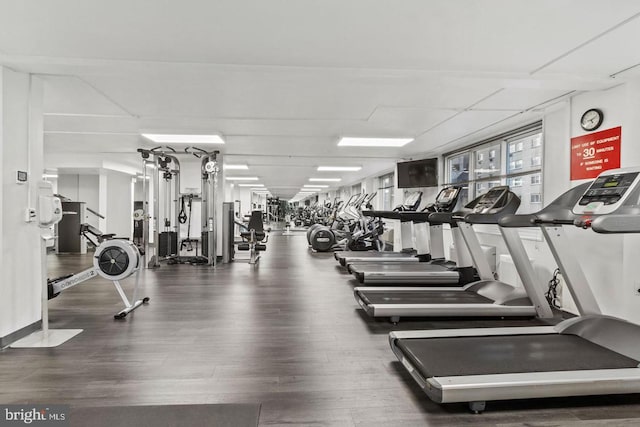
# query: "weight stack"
{"points": [[168, 244], [205, 245]]}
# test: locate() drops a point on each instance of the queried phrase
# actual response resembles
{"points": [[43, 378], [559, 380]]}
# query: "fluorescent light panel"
{"points": [[49, 175], [236, 167], [316, 186], [373, 142], [339, 168], [242, 178], [250, 185], [325, 179], [183, 139]]}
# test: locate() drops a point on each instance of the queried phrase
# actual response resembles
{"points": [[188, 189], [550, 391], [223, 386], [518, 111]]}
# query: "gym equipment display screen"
{"points": [[608, 189], [447, 195], [418, 173]]}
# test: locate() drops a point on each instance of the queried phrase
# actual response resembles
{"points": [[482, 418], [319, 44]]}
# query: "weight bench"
{"points": [[254, 238]]}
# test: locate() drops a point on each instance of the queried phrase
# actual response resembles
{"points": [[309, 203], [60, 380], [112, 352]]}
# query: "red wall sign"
{"points": [[594, 153]]}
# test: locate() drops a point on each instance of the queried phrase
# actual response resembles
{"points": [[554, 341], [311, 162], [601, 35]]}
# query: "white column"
{"points": [[21, 148]]}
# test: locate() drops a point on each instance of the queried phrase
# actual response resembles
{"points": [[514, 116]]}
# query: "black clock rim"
{"points": [[598, 123]]}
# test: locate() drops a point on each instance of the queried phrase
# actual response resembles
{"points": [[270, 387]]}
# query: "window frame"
{"points": [[506, 172], [391, 187]]}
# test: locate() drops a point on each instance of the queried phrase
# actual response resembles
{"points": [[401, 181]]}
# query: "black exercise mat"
{"points": [[219, 415]]}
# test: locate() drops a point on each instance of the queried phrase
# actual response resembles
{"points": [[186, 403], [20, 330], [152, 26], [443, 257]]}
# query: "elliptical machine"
{"points": [[338, 207], [351, 230]]}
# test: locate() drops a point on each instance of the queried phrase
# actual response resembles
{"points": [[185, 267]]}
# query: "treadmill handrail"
{"points": [[558, 212], [517, 220], [621, 223], [441, 218], [382, 214], [552, 221]]}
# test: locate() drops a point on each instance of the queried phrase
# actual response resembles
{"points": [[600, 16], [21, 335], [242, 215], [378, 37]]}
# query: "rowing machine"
{"points": [[114, 260]]}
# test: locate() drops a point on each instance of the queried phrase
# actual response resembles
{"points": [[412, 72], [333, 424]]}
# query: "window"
{"points": [[515, 147], [356, 189], [536, 142], [513, 159], [515, 165], [386, 189], [492, 168], [458, 173]]}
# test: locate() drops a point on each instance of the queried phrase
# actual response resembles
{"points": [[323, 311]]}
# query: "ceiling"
{"points": [[282, 80]]}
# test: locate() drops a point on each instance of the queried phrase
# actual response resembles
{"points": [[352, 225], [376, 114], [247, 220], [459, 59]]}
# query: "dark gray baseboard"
{"points": [[7, 340]]}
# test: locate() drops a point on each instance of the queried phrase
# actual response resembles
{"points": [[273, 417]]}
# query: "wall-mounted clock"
{"points": [[591, 119]]}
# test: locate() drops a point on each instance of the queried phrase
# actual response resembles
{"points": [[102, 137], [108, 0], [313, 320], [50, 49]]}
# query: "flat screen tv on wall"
{"points": [[418, 173]]}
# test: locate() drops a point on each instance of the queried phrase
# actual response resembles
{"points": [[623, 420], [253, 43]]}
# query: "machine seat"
{"points": [[255, 224]]}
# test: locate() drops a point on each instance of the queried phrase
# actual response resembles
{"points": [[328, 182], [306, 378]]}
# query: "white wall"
{"points": [[119, 206], [84, 188], [21, 142]]}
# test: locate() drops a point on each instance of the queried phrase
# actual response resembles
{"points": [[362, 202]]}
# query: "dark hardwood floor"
{"points": [[285, 333]]}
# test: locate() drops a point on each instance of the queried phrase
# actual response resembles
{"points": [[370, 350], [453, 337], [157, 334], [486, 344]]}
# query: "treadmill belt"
{"points": [[485, 355], [423, 297], [401, 267]]}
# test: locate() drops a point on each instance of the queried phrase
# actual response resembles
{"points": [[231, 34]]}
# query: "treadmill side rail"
{"points": [[470, 332], [448, 310], [470, 388]]}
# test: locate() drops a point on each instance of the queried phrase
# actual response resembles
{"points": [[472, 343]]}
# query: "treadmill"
{"points": [[486, 297], [407, 254], [592, 354], [439, 271]]}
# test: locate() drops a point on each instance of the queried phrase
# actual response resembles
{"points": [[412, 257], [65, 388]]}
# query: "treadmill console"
{"points": [[411, 203], [607, 193], [447, 197], [492, 199]]}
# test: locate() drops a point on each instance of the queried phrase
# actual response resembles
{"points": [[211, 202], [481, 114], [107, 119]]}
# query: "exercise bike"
{"points": [[114, 260]]}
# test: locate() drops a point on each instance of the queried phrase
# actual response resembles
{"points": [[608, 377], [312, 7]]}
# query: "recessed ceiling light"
{"points": [[250, 185], [315, 190], [325, 179], [373, 142], [183, 139], [242, 178], [49, 175], [339, 168], [316, 185], [236, 167]]}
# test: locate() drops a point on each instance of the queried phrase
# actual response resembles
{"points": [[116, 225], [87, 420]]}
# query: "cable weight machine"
{"points": [[167, 166], [209, 168], [169, 204]]}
